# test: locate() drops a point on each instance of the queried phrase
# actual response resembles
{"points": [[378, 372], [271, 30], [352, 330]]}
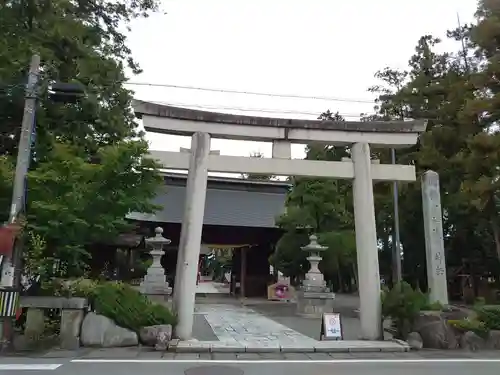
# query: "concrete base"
{"points": [[261, 347], [313, 304], [158, 298], [156, 292], [71, 323]]}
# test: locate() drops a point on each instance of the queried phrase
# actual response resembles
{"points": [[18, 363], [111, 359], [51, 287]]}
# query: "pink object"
{"points": [[280, 290]]}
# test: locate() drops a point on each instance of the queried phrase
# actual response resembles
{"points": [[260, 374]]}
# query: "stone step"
{"points": [[341, 346]]}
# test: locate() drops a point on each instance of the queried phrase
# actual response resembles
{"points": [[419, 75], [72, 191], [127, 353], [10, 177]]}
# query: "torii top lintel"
{"points": [[167, 119]]}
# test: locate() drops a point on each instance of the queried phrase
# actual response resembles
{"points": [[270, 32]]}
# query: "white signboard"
{"points": [[331, 327]]}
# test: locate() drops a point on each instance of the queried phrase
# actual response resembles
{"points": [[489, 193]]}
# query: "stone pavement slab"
{"points": [[241, 329], [150, 354], [275, 347], [318, 356], [60, 353], [208, 287], [202, 330], [248, 356], [224, 356], [360, 346], [295, 356], [187, 356], [147, 354], [105, 353], [243, 325], [262, 347], [296, 348]]}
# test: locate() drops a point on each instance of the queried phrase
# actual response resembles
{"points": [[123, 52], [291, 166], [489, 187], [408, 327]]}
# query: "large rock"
{"points": [[163, 340], [493, 341], [415, 340], [472, 341], [149, 335], [434, 330], [456, 313], [97, 330]]}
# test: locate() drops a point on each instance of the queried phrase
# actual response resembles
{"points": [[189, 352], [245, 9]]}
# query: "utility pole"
{"points": [[398, 274], [24, 150], [23, 162], [19, 187]]}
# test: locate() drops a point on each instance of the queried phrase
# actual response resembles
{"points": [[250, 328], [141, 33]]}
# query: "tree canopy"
{"points": [[254, 176], [89, 168], [322, 206], [458, 92]]}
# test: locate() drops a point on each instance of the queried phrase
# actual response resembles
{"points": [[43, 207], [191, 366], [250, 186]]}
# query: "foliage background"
{"points": [[458, 92], [88, 169]]}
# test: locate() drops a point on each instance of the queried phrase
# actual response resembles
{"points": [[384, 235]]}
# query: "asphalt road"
{"points": [[262, 367]]}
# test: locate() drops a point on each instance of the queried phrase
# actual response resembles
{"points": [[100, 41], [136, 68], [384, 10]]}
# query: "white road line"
{"points": [[312, 361], [29, 366]]}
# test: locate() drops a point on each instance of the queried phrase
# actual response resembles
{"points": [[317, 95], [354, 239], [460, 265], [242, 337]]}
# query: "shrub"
{"points": [[402, 304], [434, 306], [473, 325], [480, 301], [489, 315], [487, 318], [120, 302], [80, 287], [129, 308]]}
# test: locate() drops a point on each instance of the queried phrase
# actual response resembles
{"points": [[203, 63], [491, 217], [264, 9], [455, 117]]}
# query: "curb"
{"points": [[395, 346]]}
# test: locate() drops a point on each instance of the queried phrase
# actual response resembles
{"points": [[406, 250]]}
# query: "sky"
{"points": [[314, 48]]}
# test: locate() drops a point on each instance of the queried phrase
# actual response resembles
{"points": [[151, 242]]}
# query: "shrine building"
{"points": [[240, 216]]}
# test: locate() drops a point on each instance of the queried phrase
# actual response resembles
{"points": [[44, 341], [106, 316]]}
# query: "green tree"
{"points": [[455, 91], [482, 156], [429, 89], [89, 167], [321, 206], [254, 176]]}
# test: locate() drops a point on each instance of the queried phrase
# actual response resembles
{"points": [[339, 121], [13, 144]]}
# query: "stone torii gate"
{"points": [[202, 126]]}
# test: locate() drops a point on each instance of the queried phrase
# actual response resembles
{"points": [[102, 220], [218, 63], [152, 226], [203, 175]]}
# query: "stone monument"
{"points": [[434, 243], [155, 285], [313, 297]]}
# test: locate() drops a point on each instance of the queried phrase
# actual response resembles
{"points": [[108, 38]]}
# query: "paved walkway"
{"points": [[241, 325], [241, 329], [207, 287]]}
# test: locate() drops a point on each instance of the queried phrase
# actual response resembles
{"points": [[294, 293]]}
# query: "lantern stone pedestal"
{"points": [[154, 284], [314, 297]]}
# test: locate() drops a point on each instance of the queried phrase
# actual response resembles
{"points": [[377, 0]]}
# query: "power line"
{"points": [[218, 107], [247, 109], [228, 91], [256, 93]]}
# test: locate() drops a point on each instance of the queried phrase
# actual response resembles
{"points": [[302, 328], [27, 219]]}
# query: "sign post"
{"points": [[331, 327]]}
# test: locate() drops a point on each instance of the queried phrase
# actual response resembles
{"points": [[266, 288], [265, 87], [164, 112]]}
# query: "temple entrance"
{"points": [[233, 261], [239, 231], [202, 126]]}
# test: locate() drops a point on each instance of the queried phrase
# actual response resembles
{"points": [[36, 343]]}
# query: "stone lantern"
{"points": [[313, 297], [154, 284]]}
